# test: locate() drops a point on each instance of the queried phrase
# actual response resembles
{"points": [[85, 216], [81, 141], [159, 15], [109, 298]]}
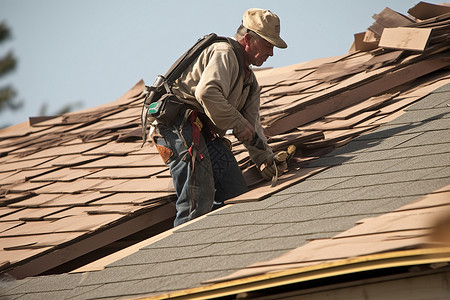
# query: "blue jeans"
{"points": [[215, 177]]}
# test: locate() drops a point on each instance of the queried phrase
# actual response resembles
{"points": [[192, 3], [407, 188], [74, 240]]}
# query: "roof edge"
{"points": [[303, 274]]}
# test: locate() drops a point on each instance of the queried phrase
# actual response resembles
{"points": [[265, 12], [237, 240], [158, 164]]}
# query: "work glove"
{"points": [[278, 161]]}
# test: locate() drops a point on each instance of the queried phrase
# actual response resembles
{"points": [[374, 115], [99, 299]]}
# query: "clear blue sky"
{"points": [[95, 50]]}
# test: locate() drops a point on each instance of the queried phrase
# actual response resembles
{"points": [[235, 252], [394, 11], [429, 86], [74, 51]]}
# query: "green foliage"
{"points": [[4, 32], [8, 64], [8, 92], [43, 111]]}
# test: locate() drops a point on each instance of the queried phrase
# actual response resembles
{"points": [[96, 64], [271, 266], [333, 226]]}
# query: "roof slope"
{"points": [[382, 171], [318, 106], [64, 180]]}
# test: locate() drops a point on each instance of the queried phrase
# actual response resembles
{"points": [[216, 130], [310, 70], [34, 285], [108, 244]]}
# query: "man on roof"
{"points": [[204, 171]]}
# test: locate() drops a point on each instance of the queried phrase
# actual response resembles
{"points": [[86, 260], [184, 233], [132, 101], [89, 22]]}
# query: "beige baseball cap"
{"points": [[266, 24]]}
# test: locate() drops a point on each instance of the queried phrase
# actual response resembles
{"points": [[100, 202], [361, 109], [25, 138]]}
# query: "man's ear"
{"points": [[247, 38]]}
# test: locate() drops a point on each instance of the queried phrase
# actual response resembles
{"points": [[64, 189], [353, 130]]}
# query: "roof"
{"points": [[77, 182], [372, 132]]}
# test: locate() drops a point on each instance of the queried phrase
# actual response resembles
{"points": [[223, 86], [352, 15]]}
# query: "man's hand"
{"points": [[267, 169], [246, 135]]}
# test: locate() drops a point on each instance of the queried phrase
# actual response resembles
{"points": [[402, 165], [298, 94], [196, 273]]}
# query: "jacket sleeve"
{"points": [[219, 74], [220, 71], [251, 113]]}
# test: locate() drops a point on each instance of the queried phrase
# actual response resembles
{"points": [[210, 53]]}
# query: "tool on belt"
{"points": [[160, 103]]}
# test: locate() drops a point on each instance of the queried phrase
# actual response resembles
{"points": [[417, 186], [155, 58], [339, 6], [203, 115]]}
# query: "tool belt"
{"points": [[166, 110]]}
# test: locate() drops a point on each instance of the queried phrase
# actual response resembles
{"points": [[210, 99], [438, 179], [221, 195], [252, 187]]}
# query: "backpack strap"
{"points": [[239, 55], [182, 63], [188, 57]]}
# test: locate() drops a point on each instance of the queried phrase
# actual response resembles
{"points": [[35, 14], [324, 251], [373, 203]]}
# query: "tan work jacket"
{"points": [[207, 84]]}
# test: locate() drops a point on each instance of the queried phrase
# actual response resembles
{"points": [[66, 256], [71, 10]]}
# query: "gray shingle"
{"points": [[423, 150], [353, 148], [112, 274], [294, 198], [376, 191], [182, 239], [430, 161], [290, 230], [177, 267], [44, 295], [184, 282], [431, 101], [439, 124], [48, 283], [330, 161], [403, 152], [386, 133], [399, 189], [251, 206], [444, 88], [315, 185], [273, 244], [200, 264], [161, 283], [369, 207], [300, 214], [358, 169], [149, 255], [390, 204], [378, 179], [423, 186], [115, 289], [419, 127], [393, 141], [225, 248], [330, 196], [429, 137], [237, 233], [74, 294], [238, 218], [329, 225], [378, 155], [8, 285], [422, 115], [442, 173]]}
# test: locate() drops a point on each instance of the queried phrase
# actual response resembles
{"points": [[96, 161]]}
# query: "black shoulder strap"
{"points": [[181, 64], [188, 57], [240, 57]]}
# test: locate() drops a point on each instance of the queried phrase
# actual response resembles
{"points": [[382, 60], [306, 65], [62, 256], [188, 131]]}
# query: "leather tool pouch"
{"points": [[167, 109]]}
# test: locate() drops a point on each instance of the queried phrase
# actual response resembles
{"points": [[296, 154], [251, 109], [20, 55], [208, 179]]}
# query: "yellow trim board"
{"points": [[321, 270]]}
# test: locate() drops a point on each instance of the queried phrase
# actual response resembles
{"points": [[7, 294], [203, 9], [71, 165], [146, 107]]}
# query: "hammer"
{"points": [[280, 157]]}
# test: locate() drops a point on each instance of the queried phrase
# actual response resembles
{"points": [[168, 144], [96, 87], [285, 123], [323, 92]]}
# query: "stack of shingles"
{"points": [[66, 177], [323, 104]]}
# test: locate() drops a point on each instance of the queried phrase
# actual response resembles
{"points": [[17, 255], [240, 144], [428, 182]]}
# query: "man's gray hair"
{"points": [[241, 31]]}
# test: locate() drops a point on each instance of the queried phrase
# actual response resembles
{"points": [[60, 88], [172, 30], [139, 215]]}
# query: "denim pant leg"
{"points": [[197, 188], [228, 179]]}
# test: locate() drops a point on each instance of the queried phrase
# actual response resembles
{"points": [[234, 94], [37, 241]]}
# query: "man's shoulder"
{"points": [[221, 45], [223, 51]]}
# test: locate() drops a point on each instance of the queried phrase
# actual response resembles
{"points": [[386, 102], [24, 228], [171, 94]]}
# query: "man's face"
{"points": [[258, 50]]}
